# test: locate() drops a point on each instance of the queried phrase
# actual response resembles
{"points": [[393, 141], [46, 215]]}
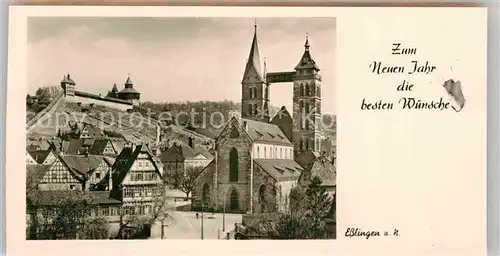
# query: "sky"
{"points": [[176, 59]]}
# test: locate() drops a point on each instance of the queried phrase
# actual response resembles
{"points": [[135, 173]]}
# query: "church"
{"points": [[254, 167]]}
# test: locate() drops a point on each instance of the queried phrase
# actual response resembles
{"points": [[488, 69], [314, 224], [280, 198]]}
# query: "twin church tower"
{"points": [[304, 127]]}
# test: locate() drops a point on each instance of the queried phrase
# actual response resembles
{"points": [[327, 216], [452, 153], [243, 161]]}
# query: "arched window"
{"points": [[234, 133], [205, 194], [265, 152], [234, 201], [255, 110], [307, 108], [307, 124], [250, 110], [312, 89], [233, 165], [258, 153], [254, 92], [300, 144], [262, 197], [307, 90], [301, 90]]}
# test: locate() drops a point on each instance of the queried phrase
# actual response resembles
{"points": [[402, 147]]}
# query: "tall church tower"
{"points": [[254, 88], [307, 131]]}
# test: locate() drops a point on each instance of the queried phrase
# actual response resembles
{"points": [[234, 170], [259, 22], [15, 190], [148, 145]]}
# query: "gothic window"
{"points": [[254, 92], [312, 90], [301, 107], [233, 165], [250, 111], [234, 201], [307, 90], [307, 108], [301, 90], [300, 145], [307, 144], [235, 133], [267, 92], [255, 110], [205, 194], [307, 124]]}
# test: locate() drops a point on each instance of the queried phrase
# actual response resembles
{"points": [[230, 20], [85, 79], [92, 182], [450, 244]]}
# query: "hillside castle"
{"points": [[121, 100]]}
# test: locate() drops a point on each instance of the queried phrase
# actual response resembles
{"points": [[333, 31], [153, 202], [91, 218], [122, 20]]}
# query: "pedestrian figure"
{"points": [[197, 215]]}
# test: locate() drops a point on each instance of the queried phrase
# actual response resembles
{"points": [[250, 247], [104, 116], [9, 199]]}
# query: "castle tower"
{"points": [[307, 130], [68, 86], [129, 93], [254, 88]]}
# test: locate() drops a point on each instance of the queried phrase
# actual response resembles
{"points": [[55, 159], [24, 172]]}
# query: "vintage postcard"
{"points": [[347, 130]]}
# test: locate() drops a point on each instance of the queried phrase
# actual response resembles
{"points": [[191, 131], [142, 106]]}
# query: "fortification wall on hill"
{"points": [[47, 111], [87, 100]]}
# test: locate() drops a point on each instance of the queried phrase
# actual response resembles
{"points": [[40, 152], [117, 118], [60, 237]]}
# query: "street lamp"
{"points": [[224, 213], [202, 220]]}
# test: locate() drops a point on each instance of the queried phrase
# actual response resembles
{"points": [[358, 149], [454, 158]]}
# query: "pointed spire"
{"points": [[128, 83], [254, 56], [115, 88], [307, 42]]}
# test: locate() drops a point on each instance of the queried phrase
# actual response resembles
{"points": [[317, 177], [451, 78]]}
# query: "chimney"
{"points": [[191, 142], [245, 126], [110, 184]]}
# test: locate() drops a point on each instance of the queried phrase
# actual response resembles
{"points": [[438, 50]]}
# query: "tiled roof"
{"points": [[56, 197], [280, 169], [203, 151], [124, 162], [319, 166], [128, 90], [177, 153], [98, 147], [82, 165], [39, 155], [307, 62], [74, 146], [94, 132], [265, 132], [34, 174]]}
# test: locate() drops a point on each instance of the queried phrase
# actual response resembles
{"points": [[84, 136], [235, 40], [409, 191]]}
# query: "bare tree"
{"points": [[153, 208], [184, 181]]}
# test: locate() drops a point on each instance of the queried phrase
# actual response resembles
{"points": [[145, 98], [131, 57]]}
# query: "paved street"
{"points": [[184, 225]]}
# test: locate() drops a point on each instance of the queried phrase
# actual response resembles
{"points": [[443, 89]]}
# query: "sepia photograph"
{"points": [[181, 128]]}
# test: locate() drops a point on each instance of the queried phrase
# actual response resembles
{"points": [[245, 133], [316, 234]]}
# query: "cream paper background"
{"points": [[422, 172]]}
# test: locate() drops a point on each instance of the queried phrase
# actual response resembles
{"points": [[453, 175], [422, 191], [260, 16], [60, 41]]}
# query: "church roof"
{"points": [[280, 169], [253, 61], [307, 62], [282, 113], [265, 132]]}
